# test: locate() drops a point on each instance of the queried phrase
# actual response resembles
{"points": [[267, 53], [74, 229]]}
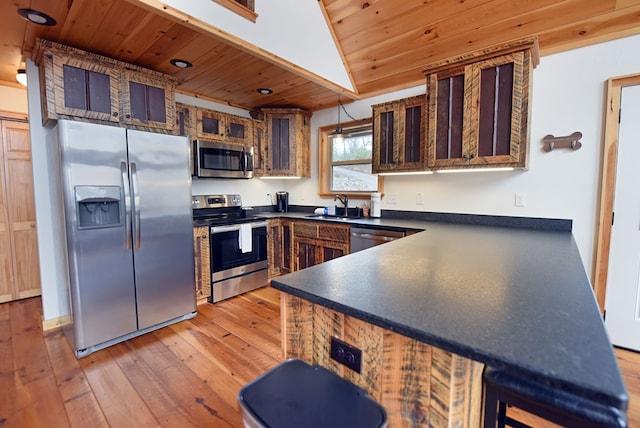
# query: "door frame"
{"points": [[608, 182], [17, 117]]}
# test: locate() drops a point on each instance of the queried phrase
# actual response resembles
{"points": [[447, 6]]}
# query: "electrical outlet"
{"points": [[346, 354], [419, 198], [520, 199], [268, 200], [392, 199]]}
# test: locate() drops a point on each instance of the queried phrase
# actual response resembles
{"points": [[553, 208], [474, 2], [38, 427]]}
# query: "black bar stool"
{"points": [[296, 394], [503, 389]]}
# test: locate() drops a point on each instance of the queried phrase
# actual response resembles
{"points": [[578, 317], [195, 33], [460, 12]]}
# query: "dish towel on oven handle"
{"points": [[244, 238]]}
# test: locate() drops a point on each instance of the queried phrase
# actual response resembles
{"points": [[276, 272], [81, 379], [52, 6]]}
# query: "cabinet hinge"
{"points": [[613, 216], [620, 116]]}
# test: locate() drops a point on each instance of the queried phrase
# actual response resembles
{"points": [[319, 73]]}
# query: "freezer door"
{"points": [[101, 290], [162, 226]]}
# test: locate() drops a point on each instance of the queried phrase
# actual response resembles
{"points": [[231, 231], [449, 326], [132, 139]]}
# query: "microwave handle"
{"points": [[244, 162]]}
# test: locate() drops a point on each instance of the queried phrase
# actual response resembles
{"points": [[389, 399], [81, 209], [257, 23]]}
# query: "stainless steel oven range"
{"points": [[238, 245]]}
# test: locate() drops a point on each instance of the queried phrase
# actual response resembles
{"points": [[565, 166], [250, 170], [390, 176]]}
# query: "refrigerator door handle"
{"points": [[127, 205], [136, 203]]}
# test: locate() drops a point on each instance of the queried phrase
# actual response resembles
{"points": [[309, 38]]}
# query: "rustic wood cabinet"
{"points": [[285, 150], [185, 120], [201, 253], [318, 242], [259, 149], [215, 125], [81, 88], [274, 247], [279, 247], [86, 86], [399, 135], [478, 108], [148, 101]]}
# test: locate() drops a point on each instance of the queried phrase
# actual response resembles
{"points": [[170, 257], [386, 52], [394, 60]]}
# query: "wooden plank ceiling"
{"points": [[384, 43]]}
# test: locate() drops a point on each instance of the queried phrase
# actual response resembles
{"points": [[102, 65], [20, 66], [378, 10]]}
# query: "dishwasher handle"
{"points": [[372, 236]]}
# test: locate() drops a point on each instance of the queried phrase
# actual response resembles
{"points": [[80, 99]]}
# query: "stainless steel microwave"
{"points": [[215, 159]]}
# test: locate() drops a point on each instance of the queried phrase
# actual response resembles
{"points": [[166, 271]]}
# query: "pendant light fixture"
{"points": [[338, 135]]}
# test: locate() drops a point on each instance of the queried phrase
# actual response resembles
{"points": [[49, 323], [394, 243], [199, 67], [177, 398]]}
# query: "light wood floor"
{"points": [[188, 374]]}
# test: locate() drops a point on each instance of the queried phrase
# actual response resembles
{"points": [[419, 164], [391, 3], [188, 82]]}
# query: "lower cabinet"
{"points": [[318, 242], [274, 248], [295, 245], [201, 253]]}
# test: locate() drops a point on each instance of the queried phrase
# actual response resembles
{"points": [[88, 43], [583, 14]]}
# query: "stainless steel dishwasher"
{"points": [[362, 238]]}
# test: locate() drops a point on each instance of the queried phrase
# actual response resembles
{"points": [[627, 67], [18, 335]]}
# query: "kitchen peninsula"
{"points": [[429, 311]]}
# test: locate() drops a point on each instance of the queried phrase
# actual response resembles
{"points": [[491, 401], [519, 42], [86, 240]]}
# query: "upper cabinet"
{"points": [[478, 108], [283, 142], [201, 123], [399, 135], [148, 101], [80, 88], [86, 86], [215, 125]]}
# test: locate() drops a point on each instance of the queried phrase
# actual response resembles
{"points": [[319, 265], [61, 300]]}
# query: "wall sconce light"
{"points": [[21, 76]]}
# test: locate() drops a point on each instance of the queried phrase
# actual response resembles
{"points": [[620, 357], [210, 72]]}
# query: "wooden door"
{"points": [[20, 269], [622, 303]]}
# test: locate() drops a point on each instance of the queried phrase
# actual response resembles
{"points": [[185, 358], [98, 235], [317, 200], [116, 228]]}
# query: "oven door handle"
{"points": [[234, 227]]}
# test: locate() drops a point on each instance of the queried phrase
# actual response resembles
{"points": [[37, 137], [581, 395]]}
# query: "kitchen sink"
{"points": [[332, 217]]}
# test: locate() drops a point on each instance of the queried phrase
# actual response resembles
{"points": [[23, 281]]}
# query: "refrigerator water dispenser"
{"points": [[98, 206]]}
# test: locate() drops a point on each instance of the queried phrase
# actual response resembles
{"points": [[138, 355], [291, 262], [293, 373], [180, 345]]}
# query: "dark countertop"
{"points": [[515, 299]]}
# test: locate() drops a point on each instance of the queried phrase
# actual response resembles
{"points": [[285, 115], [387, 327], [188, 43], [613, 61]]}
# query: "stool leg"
{"points": [[502, 414], [490, 407]]}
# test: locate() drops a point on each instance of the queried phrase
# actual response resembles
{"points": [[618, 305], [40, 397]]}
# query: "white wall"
{"points": [[290, 39], [568, 96], [13, 99]]}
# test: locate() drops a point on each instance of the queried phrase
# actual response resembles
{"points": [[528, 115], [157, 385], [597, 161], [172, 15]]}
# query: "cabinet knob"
{"points": [[128, 116], [115, 114]]}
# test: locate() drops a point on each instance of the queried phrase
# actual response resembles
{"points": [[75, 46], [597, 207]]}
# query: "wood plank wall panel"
{"points": [[418, 384]]}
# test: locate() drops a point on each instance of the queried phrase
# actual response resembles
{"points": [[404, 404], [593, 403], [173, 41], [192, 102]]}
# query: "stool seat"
{"points": [[296, 394], [560, 407]]}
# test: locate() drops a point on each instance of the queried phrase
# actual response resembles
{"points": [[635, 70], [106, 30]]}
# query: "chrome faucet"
{"points": [[344, 200]]}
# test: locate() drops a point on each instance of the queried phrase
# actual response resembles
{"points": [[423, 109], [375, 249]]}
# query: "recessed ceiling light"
{"points": [[264, 91], [181, 63], [37, 17]]}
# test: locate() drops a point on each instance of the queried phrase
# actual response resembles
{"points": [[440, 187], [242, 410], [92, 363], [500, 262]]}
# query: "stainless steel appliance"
{"points": [[362, 238], [215, 159], [238, 245], [127, 209]]}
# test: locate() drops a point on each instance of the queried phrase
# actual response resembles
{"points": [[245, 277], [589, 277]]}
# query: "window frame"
{"points": [[324, 162]]}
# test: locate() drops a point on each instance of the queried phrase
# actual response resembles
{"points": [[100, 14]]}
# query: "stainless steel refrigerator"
{"points": [[128, 220]]}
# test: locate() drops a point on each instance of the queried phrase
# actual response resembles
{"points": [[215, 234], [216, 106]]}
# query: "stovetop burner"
{"points": [[210, 210]]}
